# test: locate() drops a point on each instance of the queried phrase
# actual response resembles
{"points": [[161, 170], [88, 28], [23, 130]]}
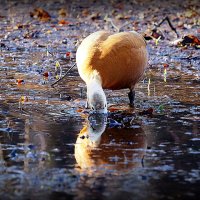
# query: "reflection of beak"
{"points": [[96, 126]]}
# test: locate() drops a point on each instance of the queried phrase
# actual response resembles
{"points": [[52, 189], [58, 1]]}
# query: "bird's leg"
{"points": [[131, 96]]}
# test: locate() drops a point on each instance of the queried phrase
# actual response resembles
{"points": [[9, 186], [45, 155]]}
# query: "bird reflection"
{"points": [[98, 146]]}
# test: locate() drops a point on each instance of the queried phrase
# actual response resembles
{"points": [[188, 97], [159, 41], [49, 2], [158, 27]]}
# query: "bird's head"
{"points": [[97, 101], [96, 97]]}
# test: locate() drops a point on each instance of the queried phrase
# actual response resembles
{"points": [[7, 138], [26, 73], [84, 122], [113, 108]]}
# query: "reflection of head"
{"points": [[96, 126], [111, 148]]}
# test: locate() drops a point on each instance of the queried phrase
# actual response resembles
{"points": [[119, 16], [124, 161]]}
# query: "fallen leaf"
{"points": [[68, 54], [149, 111], [79, 110], [112, 109], [95, 16], [190, 13], [62, 12], [41, 14], [189, 40], [156, 35], [85, 12], [19, 81], [120, 16], [63, 22], [33, 34], [165, 65], [153, 35], [49, 32], [46, 74], [20, 26], [195, 40]]}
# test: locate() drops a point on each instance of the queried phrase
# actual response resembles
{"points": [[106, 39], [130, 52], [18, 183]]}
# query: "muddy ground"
{"points": [[49, 147]]}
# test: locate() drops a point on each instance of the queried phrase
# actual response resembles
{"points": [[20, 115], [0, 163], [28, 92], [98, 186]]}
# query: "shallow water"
{"points": [[52, 148]]}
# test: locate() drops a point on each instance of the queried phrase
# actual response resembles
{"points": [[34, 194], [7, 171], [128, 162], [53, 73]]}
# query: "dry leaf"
{"points": [[19, 81], [20, 26], [40, 14], [85, 12], [189, 40], [46, 74], [95, 16], [62, 12], [165, 65], [63, 22], [149, 111]]}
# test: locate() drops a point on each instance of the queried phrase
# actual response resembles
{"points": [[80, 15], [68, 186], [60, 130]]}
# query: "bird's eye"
{"points": [[105, 106]]}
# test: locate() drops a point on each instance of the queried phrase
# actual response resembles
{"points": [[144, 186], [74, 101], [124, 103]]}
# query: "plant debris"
{"points": [[189, 40], [41, 14], [148, 111]]}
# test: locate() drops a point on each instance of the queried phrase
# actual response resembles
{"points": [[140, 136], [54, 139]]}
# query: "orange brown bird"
{"points": [[111, 61]]}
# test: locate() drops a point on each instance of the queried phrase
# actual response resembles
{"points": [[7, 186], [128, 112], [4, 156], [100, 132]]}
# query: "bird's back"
{"points": [[119, 59]]}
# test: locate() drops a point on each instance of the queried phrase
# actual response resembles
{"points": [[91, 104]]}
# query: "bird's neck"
{"points": [[94, 85], [96, 94]]}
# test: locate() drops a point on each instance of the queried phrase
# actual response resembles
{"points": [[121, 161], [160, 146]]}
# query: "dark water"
{"points": [[51, 148], [158, 157]]}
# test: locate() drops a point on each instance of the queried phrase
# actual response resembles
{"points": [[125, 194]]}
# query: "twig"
{"points": [[191, 58], [48, 52], [64, 75], [114, 25], [170, 24], [125, 24], [119, 28]]}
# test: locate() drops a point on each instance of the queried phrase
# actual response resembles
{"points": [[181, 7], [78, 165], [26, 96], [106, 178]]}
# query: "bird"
{"points": [[114, 61]]}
